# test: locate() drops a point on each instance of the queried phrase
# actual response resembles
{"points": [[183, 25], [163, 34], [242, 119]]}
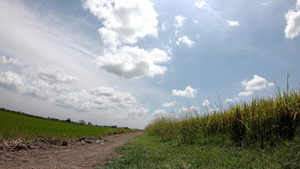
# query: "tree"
{"points": [[82, 122], [90, 124], [68, 120]]}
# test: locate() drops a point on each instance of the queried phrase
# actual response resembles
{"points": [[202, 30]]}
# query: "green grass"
{"points": [[15, 125], [150, 152], [263, 133]]}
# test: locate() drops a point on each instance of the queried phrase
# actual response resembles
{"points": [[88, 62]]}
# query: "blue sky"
{"points": [[115, 62]]}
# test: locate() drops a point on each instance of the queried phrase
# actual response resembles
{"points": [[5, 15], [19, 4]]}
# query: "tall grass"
{"points": [[263, 121]]}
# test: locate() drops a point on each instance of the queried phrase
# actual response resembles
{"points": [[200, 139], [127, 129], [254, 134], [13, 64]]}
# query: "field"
{"points": [[150, 152], [15, 125], [263, 133], [262, 122]]}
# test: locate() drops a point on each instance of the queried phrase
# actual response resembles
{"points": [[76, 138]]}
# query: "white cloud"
{"points": [[192, 109], [10, 61], [292, 29], [138, 113], [271, 84], [185, 40], [233, 23], [170, 104], [124, 21], [36, 81], [103, 91], [257, 83], [206, 103], [229, 101], [11, 80], [23, 85], [132, 62], [179, 20], [202, 4], [53, 74], [218, 110], [188, 92], [99, 98], [160, 113]]}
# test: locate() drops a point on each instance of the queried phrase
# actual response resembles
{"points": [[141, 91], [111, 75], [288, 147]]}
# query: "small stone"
{"points": [[65, 143], [88, 141]]}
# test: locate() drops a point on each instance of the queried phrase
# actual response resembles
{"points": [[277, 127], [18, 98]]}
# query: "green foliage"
{"points": [[263, 122], [15, 125]]}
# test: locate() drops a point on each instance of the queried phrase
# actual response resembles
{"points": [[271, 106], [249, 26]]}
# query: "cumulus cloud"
{"points": [[189, 109], [103, 91], [23, 85], [188, 92], [292, 17], [138, 113], [257, 83], [52, 84], [185, 40], [233, 23], [179, 20], [229, 101], [9, 61], [50, 74], [217, 110], [11, 80], [206, 103], [99, 98], [132, 62], [54, 74], [125, 23], [170, 104], [160, 113]]}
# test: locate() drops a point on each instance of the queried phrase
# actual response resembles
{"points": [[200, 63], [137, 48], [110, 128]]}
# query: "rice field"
{"points": [[15, 125]]}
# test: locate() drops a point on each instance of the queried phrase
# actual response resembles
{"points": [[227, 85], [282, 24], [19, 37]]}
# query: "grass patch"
{"points": [[150, 152], [15, 125]]}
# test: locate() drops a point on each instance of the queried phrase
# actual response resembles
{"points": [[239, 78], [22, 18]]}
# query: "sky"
{"points": [[125, 63]]}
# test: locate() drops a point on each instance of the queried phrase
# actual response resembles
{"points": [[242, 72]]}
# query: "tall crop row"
{"points": [[263, 121]]}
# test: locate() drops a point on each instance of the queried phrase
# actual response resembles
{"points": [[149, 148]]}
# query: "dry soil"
{"points": [[75, 155]]}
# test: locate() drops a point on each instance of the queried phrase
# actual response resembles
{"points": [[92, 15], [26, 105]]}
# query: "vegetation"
{"points": [[262, 122], [263, 133], [150, 152], [17, 125]]}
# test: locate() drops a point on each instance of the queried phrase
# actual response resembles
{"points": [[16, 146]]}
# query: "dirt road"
{"points": [[76, 155]]}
